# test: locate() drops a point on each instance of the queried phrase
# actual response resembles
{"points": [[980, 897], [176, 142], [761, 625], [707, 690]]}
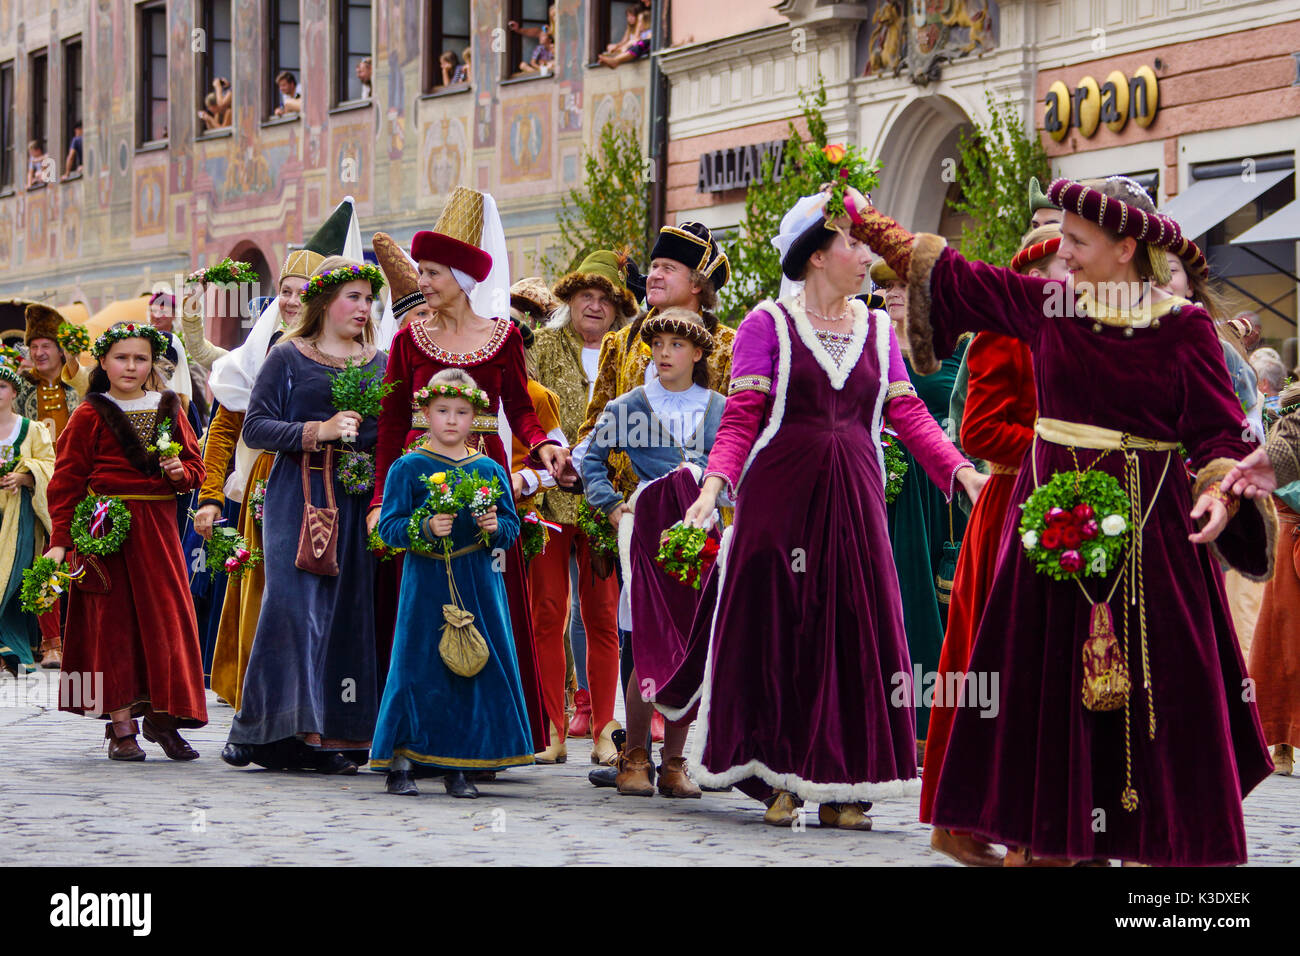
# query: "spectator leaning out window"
{"points": [[290, 94]]}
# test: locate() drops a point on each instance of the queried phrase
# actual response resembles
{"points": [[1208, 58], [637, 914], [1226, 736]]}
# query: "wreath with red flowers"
{"points": [[1075, 526]]}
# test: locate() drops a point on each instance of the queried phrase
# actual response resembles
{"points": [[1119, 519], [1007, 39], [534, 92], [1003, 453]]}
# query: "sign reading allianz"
{"points": [[1113, 103], [736, 168]]}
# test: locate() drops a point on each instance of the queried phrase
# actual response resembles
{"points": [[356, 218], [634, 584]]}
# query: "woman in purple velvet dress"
{"points": [[1121, 383], [807, 689]]}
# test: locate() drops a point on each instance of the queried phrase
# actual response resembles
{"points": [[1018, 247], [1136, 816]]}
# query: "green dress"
{"points": [[919, 528]]}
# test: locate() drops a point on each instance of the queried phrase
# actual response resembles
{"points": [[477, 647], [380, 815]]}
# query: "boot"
{"points": [[673, 781], [161, 730], [635, 774], [237, 755], [458, 786], [963, 848], [402, 783], [844, 816], [580, 725], [657, 727], [603, 750], [783, 810], [122, 744], [52, 660], [557, 752]]}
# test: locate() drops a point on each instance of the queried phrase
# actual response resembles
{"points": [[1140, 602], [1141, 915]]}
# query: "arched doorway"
{"points": [[918, 161], [232, 318]]}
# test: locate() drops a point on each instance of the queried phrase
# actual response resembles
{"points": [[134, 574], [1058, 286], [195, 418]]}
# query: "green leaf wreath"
{"points": [[1076, 525], [381, 550], [42, 584], [225, 272], [73, 338], [895, 466], [100, 525], [228, 552], [356, 471], [600, 533]]}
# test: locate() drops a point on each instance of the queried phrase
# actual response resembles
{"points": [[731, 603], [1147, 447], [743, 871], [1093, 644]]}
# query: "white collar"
{"points": [[145, 403], [837, 373]]}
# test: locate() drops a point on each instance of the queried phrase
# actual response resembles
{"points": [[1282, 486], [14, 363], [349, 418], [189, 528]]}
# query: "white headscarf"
{"points": [[806, 213]]}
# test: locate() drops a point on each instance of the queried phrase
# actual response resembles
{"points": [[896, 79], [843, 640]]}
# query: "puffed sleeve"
{"points": [[395, 411], [754, 360], [993, 426], [267, 425], [218, 449], [1212, 429]]}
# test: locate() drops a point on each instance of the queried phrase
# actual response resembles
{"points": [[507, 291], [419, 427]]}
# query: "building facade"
{"points": [[160, 193], [1212, 131]]}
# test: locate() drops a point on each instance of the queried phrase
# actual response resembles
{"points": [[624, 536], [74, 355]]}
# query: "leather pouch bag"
{"points": [[318, 542]]}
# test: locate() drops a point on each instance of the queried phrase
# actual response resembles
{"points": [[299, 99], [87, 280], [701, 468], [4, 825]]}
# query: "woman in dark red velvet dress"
{"points": [[130, 617], [1121, 383], [490, 350]]}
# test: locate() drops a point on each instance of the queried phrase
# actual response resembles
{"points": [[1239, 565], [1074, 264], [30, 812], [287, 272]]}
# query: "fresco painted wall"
{"points": [[140, 216]]}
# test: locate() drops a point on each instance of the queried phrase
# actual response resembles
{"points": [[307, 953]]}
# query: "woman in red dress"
{"points": [[130, 617], [451, 265]]}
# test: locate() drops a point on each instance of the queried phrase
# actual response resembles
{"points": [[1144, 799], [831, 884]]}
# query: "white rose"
{"points": [[1112, 525], [1030, 540]]}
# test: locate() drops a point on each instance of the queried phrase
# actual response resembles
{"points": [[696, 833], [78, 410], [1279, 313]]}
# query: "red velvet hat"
{"points": [[456, 236]]}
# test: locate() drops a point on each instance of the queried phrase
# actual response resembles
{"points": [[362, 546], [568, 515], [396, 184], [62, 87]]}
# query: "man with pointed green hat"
{"points": [[1042, 211], [595, 300]]}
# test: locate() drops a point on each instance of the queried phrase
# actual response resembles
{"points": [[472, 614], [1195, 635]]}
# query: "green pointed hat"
{"points": [[1037, 199], [326, 241]]}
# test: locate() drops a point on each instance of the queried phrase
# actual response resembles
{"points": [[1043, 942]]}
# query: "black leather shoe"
{"points": [[603, 777], [402, 783], [458, 786], [333, 762], [237, 755], [716, 789]]}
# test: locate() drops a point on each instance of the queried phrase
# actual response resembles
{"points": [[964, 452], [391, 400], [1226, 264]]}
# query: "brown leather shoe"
{"points": [[964, 848], [783, 811], [844, 816], [1024, 857], [122, 744], [162, 731], [673, 781], [52, 660], [635, 774]]}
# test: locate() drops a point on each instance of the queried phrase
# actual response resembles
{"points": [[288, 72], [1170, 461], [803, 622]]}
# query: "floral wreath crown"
{"points": [[131, 330], [475, 396], [9, 373], [328, 280]]}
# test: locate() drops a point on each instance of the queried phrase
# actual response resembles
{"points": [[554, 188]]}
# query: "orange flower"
{"points": [[834, 152]]}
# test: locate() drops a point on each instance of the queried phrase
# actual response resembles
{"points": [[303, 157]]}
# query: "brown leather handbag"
{"points": [[318, 542]]}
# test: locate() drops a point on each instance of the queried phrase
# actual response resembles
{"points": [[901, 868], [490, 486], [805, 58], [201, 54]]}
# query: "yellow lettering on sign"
{"points": [[1144, 98], [1089, 105], [1057, 118]]}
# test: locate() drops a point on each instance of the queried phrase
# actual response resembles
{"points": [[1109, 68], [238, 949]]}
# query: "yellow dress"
{"points": [[243, 601]]}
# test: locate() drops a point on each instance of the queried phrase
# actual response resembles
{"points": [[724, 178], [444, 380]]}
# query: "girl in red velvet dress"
{"points": [[492, 352], [130, 617]]}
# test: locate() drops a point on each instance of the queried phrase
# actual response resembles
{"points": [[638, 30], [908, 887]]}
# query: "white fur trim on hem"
{"points": [[804, 789]]}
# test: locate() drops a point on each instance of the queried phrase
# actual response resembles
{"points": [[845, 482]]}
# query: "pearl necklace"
{"points": [[827, 318]]}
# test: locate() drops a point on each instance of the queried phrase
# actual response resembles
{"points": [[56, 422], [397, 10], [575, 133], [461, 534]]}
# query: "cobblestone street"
{"points": [[65, 804]]}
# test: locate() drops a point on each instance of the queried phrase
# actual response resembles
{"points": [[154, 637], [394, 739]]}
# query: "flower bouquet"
{"points": [[163, 445], [600, 534], [42, 584], [357, 471], [9, 460], [481, 496], [837, 167], [447, 495], [686, 554], [14, 356], [225, 272], [228, 551], [356, 390], [895, 465], [534, 533], [1075, 526], [257, 500], [73, 339]]}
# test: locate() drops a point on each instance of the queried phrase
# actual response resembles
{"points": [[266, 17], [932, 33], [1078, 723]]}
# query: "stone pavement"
{"points": [[62, 802]]}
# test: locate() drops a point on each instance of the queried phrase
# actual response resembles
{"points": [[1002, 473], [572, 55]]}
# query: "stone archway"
{"points": [[913, 184], [229, 326]]}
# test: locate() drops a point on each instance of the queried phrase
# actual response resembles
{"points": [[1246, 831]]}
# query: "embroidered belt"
{"points": [[1060, 432], [99, 494], [482, 423], [996, 469]]}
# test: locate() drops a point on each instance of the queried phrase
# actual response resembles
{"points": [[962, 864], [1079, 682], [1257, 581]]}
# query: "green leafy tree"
{"points": [[996, 163], [610, 210], [755, 263]]}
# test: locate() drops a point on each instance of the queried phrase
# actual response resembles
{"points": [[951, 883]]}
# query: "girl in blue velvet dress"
{"points": [[431, 716]]}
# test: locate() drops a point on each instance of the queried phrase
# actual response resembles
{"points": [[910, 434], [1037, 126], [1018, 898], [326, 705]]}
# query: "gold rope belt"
{"points": [[482, 423], [469, 548], [1078, 435], [996, 469], [97, 494]]}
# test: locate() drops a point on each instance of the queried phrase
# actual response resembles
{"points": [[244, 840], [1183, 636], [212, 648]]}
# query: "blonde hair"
{"points": [[1131, 192], [453, 376], [312, 321], [1051, 230]]}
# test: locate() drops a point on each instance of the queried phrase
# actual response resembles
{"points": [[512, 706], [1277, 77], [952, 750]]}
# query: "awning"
{"points": [[1207, 202], [1282, 226]]}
